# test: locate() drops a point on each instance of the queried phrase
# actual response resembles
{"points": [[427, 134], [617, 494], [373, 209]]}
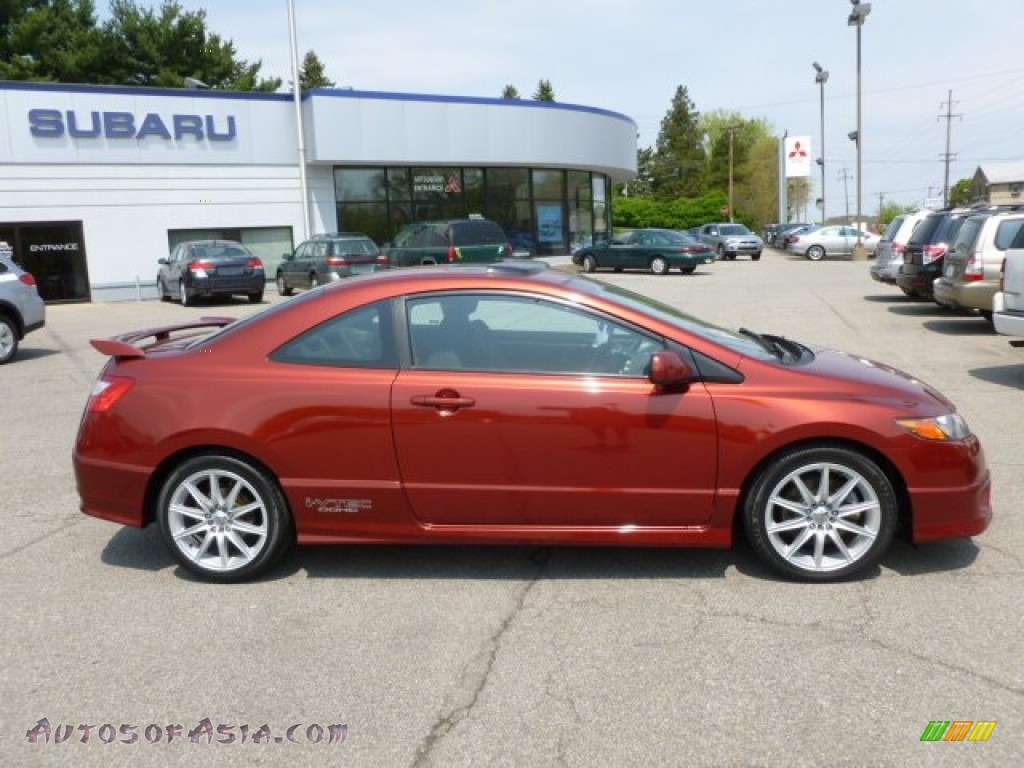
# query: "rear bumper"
{"points": [[109, 491], [208, 286], [918, 279], [975, 295], [1007, 321]]}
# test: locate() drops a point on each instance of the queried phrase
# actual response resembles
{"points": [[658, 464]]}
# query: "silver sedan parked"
{"points": [[836, 240]]}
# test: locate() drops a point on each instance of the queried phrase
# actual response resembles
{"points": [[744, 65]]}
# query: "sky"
{"points": [[753, 57]]}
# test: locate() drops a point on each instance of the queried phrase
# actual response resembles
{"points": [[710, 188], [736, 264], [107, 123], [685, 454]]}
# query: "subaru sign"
{"points": [[53, 124]]}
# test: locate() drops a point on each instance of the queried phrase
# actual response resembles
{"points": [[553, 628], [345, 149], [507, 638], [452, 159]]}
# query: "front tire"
{"points": [[222, 518], [659, 265], [589, 263], [815, 253], [256, 298], [820, 513], [282, 286], [756, 256], [720, 252], [162, 289]]}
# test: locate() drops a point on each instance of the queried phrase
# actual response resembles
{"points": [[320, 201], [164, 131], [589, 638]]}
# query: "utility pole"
{"points": [[845, 176], [881, 204], [947, 156]]}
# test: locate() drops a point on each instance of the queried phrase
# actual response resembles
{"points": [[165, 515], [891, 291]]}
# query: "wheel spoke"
{"points": [[800, 541], [840, 545], [197, 528], [207, 540], [232, 498], [839, 496], [856, 509], [196, 494], [823, 484], [240, 544], [846, 525], [181, 509], [215, 494], [805, 492], [247, 509], [819, 547], [222, 550], [793, 524], [248, 528], [795, 507]]}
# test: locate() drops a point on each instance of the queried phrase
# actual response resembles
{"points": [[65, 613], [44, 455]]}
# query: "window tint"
{"points": [[519, 334], [893, 228], [968, 233], [477, 233], [1007, 232], [360, 338]]}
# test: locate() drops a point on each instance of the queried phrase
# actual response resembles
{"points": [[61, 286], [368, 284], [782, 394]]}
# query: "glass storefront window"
{"points": [[549, 185], [508, 183], [360, 185], [441, 184], [369, 218]]}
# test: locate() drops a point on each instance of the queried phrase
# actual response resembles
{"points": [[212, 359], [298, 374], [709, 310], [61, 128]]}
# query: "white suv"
{"points": [[21, 309], [889, 255], [1008, 303]]}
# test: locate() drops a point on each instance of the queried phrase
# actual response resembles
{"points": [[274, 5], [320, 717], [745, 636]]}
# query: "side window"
{"points": [[1006, 232], [517, 334], [359, 338]]}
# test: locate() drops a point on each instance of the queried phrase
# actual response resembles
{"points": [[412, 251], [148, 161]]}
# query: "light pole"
{"points": [[821, 77], [858, 14]]}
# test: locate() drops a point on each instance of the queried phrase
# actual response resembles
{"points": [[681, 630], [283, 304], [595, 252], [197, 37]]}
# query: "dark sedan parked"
{"points": [[210, 268], [658, 250]]}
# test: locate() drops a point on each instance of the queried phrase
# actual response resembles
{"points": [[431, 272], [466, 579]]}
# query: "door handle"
{"points": [[445, 402]]}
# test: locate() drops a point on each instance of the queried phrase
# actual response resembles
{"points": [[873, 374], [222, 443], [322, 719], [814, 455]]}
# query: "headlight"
{"points": [[949, 427]]}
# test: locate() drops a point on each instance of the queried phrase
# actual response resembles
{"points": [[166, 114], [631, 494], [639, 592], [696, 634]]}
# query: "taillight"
{"points": [[201, 265], [107, 391], [254, 263], [453, 253], [933, 253], [975, 269], [27, 279], [336, 261], [383, 260], [898, 249], [1002, 276]]}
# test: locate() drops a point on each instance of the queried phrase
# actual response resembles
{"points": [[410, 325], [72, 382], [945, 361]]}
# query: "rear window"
{"points": [[893, 228], [354, 248], [968, 234], [477, 233], [925, 230], [948, 229]]}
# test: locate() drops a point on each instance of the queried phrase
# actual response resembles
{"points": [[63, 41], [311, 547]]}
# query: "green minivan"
{"points": [[475, 240]]}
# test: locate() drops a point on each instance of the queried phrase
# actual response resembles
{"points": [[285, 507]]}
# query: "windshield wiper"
{"points": [[770, 346]]}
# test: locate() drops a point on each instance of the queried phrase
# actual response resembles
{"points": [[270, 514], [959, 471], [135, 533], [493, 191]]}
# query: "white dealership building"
{"points": [[98, 182]]}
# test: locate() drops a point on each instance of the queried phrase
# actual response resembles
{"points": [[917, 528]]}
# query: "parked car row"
{"points": [[951, 256], [817, 243]]}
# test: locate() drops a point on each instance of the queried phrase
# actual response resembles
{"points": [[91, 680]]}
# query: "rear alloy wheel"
{"points": [[821, 513], [589, 263], [183, 294], [8, 340], [282, 287], [815, 253], [222, 518], [659, 265]]}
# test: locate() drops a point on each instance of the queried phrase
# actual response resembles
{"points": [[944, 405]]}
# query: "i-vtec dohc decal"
{"points": [[348, 506], [53, 124]]}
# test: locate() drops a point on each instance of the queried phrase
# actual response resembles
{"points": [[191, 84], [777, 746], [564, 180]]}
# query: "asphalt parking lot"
{"points": [[526, 656]]}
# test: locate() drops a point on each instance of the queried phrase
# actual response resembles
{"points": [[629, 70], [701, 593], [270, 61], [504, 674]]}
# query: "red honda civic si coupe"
{"points": [[515, 404]]}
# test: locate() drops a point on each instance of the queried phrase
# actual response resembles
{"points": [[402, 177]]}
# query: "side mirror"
{"points": [[161, 261], [286, 256], [669, 371]]}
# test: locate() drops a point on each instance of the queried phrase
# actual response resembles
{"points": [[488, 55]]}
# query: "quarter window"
{"points": [[360, 338]]}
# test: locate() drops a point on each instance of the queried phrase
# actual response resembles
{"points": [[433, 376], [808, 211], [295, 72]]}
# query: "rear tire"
{"points": [[687, 270], [183, 294], [223, 519], [815, 253], [8, 340], [756, 256]]}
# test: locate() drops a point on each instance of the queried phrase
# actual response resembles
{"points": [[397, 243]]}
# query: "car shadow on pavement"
{"points": [[931, 557], [919, 309], [138, 549], [25, 354], [961, 326], [1006, 375], [888, 298]]}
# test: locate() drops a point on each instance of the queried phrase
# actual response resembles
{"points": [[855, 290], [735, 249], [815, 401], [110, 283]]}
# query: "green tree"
{"points": [[312, 74], [51, 40], [510, 92], [891, 210], [679, 158], [960, 193], [544, 91], [163, 48]]}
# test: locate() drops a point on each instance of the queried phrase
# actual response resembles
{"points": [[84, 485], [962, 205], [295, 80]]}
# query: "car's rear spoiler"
{"points": [[127, 344]]}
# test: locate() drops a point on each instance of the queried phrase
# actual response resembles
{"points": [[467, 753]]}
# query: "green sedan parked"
{"points": [[658, 250]]}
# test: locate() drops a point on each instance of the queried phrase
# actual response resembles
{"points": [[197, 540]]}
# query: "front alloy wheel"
{"points": [[821, 513], [589, 263], [222, 519]]}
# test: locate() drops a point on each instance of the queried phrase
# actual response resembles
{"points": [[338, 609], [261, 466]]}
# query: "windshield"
{"points": [[743, 345], [734, 229]]}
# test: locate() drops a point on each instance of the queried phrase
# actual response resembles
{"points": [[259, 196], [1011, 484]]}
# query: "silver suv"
{"points": [[889, 255], [21, 309], [730, 240], [970, 275]]}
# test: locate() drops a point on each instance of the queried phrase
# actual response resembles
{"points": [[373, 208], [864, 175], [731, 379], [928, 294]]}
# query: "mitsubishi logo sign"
{"points": [[798, 156]]}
